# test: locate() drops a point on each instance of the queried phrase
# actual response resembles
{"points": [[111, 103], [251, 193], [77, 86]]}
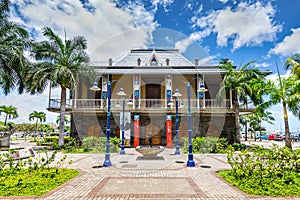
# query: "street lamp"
{"points": [[95, 87], [176, 95], [191, 162], [122, 94]]}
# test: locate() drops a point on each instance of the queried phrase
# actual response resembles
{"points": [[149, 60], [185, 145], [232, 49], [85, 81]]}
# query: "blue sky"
{"points": [[265, 31]]}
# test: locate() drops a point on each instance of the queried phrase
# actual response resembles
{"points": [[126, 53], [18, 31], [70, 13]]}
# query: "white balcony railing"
{"points": [[144, 103]]}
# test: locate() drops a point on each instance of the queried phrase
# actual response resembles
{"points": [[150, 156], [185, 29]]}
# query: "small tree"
{"points": [[286, 92], [9, 111], [39, 117], [238, 82], [61, 60]]}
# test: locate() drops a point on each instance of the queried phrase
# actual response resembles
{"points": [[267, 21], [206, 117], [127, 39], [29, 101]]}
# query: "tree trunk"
{"points": [[246, 131], [35, 131], [260, 123], [288, 142], [5, 120], [62, 115], [237, 121]]}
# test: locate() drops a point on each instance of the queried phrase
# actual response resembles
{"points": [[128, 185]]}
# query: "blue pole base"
{"points": [[107, 163], [122, 152], [190, 163], [177, 152]]}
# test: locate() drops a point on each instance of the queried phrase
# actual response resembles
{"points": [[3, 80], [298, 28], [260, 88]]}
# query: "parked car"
{"points": [[279, 137], [264, 137], [295, 136], [271, 136]]}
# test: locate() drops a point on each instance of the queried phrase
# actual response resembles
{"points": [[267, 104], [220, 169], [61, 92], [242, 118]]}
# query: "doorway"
{"points": [[153, 95]]}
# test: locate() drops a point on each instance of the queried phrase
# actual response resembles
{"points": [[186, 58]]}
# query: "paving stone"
{"points": [[130, 179]]}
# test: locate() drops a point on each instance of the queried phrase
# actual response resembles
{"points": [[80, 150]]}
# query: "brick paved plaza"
{"points": [[132, 178]]}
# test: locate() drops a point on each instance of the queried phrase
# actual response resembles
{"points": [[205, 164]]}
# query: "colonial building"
{"points": [[150, 78]]}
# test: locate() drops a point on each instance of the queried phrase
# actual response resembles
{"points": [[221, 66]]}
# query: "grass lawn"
{"points": [[35, 183], [280, 187]]}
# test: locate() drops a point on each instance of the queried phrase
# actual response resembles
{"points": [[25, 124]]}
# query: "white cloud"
{"points": [[263, 65], [104, 22], [223, 1], [289, 45], [245, 25], [164, 3], [210, 60], [196, 36], [106, 26], [274, 77]]}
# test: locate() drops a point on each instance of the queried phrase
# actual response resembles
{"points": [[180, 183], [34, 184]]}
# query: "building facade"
{"points": [[149, 78]]}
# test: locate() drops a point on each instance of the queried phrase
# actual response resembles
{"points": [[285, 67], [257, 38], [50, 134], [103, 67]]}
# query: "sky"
{"points": [[266, 31]]}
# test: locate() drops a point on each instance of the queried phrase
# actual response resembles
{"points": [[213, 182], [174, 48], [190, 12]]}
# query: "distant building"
{"points": [[150, 78], [52, 125]]}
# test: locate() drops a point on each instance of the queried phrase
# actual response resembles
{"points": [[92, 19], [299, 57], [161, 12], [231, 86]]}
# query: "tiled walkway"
{"points": [[132, 178]]}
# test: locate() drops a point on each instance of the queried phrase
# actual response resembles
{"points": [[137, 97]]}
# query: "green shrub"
{"points": [[206, 145], [116, 141], [52, 141], [32, 177], [239, 147], [98, 144], [273, 172]]}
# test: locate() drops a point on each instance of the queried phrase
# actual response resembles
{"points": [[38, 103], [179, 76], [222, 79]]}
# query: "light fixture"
{"points": [[202, 88], [95, 87]]}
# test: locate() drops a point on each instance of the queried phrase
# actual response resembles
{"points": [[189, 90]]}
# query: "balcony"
{"points": [[146, 105], [54, 105]]}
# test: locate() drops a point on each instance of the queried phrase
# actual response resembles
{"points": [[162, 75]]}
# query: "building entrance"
{"points": [[153, 95]]}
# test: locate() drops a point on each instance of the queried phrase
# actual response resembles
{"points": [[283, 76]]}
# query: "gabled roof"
{"points": [[153, 57]]}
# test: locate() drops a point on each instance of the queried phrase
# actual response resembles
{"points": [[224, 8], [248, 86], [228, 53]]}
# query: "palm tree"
{"points": [[9, 111], [14, 41], [263, 115], [66, 119], [286, 92], [244, 121], [39, 117], [60, 62], [255, 125], [294, 63], [238, 82]]}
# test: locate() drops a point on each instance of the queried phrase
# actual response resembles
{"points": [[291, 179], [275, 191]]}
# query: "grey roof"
{"points": [[159, 70], [148, 55]]}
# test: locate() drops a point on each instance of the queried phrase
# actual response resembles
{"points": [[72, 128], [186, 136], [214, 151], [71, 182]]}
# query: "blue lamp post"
{"points": [[122, 94], [191, 162], [107, 162], [176, 95]]}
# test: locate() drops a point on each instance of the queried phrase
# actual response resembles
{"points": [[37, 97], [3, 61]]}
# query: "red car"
{"points": [[271, 136]]}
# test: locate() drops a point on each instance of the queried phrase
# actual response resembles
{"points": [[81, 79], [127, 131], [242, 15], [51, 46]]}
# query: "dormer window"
{"points": [[153, 62]]}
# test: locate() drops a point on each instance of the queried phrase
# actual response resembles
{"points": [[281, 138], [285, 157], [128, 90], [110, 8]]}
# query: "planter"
{"points": [[5, 142]]}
